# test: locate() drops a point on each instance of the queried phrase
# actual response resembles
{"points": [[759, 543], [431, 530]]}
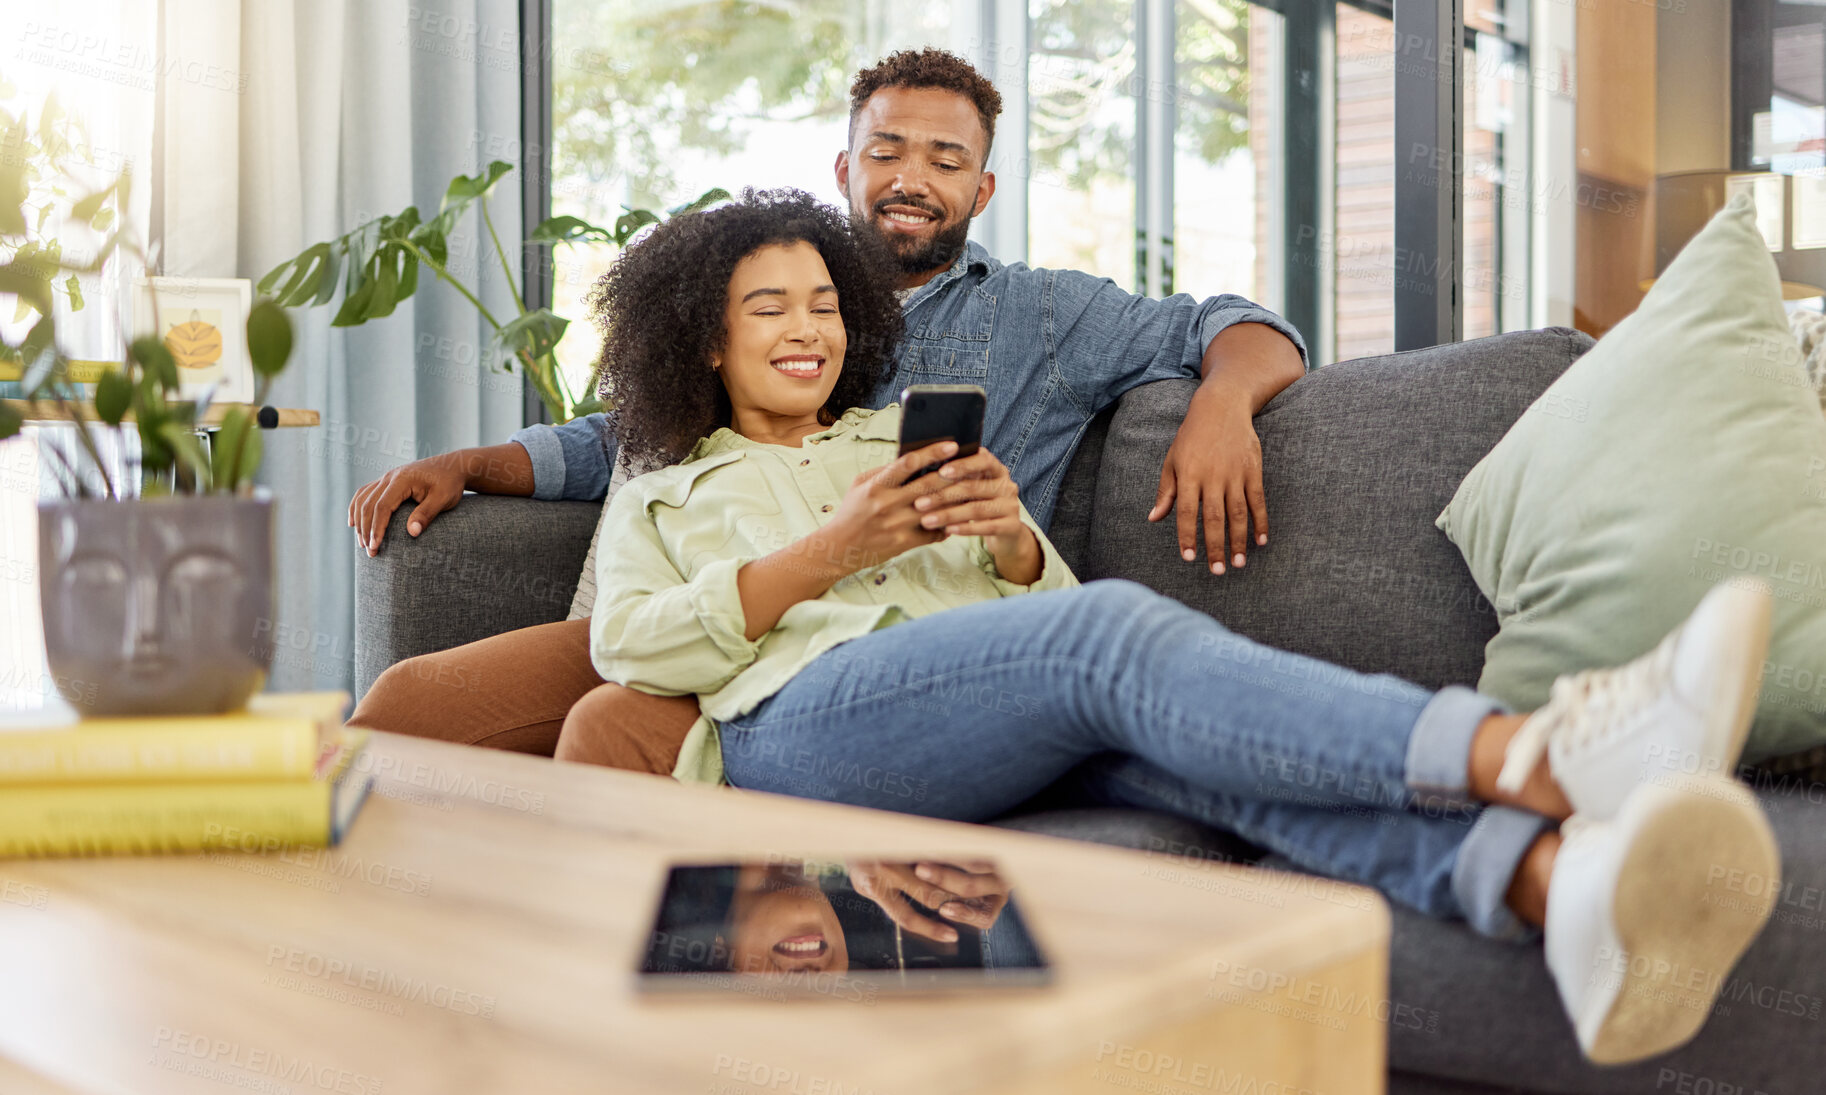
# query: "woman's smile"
{"points": [[800, 366]]}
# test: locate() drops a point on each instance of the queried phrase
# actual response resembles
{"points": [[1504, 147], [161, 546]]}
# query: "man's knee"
{"points": [[623, 728], [411, 693]]}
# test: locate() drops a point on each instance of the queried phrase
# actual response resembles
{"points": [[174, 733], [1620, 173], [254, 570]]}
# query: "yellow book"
{"points": [[276, 737], [219, 815]]}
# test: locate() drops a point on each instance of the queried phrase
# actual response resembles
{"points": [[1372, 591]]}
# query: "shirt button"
{"points": [[824, 509], [880, 578], [802, 463]]}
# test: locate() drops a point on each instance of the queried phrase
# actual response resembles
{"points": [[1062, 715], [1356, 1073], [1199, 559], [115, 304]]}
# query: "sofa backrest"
{"points": [[1359, 458]]}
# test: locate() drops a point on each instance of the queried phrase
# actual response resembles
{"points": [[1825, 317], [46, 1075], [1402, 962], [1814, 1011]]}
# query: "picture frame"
{"points": [[203, 322]]}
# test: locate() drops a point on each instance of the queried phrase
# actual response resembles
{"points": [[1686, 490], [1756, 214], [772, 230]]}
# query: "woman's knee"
{"points": [[1115, 600]]}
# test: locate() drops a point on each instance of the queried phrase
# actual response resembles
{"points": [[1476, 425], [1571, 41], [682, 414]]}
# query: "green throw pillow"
{"points": [[1685, 449]]}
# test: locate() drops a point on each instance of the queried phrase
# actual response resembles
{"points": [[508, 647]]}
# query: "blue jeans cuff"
{"points": [[1485, 866], [1439, 749]]}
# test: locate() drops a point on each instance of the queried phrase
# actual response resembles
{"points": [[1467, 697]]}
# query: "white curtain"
{"points": [[343, 110], [96, 59]]}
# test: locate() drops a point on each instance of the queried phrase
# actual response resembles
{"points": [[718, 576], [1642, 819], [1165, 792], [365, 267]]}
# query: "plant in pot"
{"points": [[378, 265], [157, 587]]}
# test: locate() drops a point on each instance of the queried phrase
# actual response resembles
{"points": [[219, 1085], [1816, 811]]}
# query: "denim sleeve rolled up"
{"points": [[1052, 349], [668, 617], [571, 462], [1105, 340]]}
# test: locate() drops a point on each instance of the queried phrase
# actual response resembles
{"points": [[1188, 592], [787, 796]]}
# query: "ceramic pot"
{"points": [[157, 606]]}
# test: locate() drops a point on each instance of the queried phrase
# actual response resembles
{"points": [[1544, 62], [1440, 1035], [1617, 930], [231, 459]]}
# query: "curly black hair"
{"points": [[661, 309], [934, 68]]}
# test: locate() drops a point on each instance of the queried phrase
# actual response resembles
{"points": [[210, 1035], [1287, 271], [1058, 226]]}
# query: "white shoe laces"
{"points": [[1584, 710]]}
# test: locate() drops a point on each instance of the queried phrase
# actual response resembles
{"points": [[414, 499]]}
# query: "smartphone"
{"points": [[930, 413], [789, 926]]}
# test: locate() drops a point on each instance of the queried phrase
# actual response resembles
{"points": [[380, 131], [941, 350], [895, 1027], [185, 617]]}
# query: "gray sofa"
{"points": [[1360, 457]]}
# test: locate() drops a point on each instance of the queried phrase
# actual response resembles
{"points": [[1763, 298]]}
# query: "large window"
{"points": [[1202, 146], [655, 103]]}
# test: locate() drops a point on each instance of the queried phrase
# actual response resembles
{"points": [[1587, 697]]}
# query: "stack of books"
{"points": [[283, 772]]}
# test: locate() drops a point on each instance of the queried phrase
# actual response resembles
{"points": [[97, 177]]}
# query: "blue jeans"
{"points": [[1144, 702]]}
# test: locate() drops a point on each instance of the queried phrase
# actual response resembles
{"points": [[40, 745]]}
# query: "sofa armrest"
{"points": [[491, 564]]}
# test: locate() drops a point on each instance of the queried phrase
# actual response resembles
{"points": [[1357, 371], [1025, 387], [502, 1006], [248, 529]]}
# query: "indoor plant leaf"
{"points": [[466, 188], [534, 333], [225, 455], [386, 288], [73, 287], [161, 368], [355, 299], [88, 207], [30, 279], [631, 222], [269, 337], [707, 198], [187, 450], [332, 265], [569, 229], [113, 395]]}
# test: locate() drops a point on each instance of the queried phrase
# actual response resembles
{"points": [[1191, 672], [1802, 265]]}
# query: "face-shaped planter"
{"points": [[157, 607]]}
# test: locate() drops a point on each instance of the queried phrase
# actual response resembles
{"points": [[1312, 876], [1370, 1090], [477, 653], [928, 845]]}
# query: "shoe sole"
{"points": [[1679, 921]]}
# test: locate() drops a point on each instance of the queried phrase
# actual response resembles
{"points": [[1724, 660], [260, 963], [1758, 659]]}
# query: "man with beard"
{"points": [[1051, 347]]}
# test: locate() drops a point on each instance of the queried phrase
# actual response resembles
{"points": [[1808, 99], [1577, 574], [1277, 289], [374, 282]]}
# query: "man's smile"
{"points": [[906, 218]]}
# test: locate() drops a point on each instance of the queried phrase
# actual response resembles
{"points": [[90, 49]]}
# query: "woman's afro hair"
{"points": [[661, 310]]}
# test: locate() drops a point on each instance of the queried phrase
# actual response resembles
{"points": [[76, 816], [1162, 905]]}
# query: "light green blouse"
{"points": [[668, 619]]}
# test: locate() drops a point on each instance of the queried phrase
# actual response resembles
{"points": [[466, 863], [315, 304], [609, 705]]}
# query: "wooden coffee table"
{"points": [[476, 931]]}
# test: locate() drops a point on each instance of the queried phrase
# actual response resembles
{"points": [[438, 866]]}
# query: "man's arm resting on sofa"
{"points": [[569, 462], [1215, 463], [437, 483]]}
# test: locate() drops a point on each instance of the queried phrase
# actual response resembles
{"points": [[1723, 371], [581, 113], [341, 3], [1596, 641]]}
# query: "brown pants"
{"points": [[530, 691]]}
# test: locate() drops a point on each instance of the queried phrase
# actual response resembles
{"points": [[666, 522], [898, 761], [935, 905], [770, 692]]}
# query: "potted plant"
{"points": [[378, 264], [157, 595]]}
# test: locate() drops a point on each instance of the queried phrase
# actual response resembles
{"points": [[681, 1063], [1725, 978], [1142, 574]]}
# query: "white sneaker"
{"points": [[1680, 712], [1648, 913]]}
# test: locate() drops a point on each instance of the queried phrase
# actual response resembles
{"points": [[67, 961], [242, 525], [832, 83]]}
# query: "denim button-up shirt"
{"points": [[1051, 347]]}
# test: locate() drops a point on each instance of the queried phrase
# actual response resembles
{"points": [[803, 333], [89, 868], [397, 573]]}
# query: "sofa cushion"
{"points": [[1359, 458], [1490, 1013], [1686, 450]]}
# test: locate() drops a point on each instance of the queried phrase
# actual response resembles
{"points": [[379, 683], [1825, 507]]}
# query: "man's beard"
{"points": [[915, 256]]}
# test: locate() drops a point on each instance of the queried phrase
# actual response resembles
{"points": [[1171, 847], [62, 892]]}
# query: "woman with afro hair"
{"points": [[916, 644]]}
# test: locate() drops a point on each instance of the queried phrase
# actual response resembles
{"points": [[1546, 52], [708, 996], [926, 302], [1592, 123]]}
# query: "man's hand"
{"points": [[1215, 464], [437, 483]]}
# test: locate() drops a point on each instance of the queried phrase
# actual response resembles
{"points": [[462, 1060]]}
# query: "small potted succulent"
{"points": [[157, 591]]}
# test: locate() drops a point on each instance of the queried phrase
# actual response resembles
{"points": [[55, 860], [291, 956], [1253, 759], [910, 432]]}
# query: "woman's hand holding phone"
{"points": [[877, 518], [875, 522], [976, 497]]}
